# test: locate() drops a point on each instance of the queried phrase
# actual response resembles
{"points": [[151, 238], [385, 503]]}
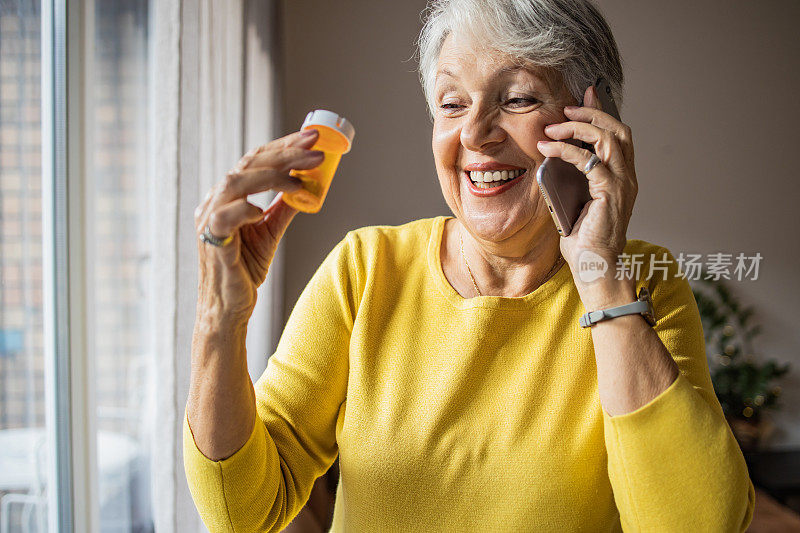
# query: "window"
{"points": [[24, 476], [117, 259], [101, 165], [114, 256]]}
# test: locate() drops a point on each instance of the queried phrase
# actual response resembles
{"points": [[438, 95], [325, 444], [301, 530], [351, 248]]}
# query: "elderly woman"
{"points": [[443, 360]]}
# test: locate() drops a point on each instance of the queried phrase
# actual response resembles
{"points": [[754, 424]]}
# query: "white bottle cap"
{"points": [[321, 117]]}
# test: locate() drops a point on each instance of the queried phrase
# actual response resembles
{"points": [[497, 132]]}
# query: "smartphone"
{"points": [[565, 188]]}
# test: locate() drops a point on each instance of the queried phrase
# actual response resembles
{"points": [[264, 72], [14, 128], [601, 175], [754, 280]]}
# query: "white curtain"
{"points": [[213, 95]]}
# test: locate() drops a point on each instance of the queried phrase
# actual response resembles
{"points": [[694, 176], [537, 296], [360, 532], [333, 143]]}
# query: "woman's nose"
{"points": [[480, 130]]}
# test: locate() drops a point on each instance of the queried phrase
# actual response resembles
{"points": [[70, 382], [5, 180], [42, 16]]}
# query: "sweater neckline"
{"points": [[538, 295]]}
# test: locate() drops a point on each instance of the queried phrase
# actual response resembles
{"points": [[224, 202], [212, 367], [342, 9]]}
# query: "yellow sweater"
{"points": [[479, 414]]}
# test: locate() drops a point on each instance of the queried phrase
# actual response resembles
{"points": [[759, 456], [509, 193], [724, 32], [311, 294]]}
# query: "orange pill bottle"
{"points": [[335, 139]]}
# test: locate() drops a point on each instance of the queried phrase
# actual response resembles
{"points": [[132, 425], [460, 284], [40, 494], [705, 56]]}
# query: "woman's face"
{"points": [[489, 115]]}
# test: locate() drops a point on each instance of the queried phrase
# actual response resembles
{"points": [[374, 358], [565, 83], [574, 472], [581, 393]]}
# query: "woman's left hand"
{"points": [[603, 223]]}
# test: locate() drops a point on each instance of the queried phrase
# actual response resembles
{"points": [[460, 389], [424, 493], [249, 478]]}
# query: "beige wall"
{"points": [[711, 95]]}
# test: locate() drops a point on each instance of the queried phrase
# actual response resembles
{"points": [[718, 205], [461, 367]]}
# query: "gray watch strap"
{"points": [[593, 317]]}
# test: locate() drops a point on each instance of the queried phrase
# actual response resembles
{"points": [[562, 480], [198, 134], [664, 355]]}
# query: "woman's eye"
{"points": [[521, 102], [450, 106]]}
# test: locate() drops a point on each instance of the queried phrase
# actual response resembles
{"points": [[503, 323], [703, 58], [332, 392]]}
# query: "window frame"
{"points": [[72, 502]]}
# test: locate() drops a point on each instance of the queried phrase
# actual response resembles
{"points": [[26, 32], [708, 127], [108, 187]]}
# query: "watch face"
{"points": [[649, 315]]}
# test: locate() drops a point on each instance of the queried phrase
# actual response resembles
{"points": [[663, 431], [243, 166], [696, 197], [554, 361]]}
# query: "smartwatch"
{"points": [[643, 306]]}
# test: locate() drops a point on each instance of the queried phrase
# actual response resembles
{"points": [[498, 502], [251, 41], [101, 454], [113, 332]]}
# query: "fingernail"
{"points": [[308, 133], [570, 108], [316, 154]]}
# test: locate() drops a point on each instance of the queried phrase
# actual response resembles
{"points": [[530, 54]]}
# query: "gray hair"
{"points": [[569, 36]]}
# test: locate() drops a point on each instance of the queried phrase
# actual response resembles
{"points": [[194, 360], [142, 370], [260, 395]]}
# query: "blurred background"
{"points": [[117, 116]]}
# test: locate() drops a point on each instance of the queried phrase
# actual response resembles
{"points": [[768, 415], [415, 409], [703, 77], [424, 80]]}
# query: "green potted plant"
{"points": [[745, 385]]}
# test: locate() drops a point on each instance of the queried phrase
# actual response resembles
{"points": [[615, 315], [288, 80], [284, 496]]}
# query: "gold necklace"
{"points": [[461, 238], [469, 270]]}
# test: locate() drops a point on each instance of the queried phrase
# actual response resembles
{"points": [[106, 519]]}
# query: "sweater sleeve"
{"points": [[299, 399], [674, 463]]}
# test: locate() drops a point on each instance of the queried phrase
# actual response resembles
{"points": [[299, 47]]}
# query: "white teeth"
{"points": [[480, 178]]}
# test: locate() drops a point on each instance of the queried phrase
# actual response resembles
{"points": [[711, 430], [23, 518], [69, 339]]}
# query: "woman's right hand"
{"points": [[230, 275]]}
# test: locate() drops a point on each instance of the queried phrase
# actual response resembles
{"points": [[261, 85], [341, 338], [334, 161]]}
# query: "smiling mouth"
{"points": [[493, 179]]}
